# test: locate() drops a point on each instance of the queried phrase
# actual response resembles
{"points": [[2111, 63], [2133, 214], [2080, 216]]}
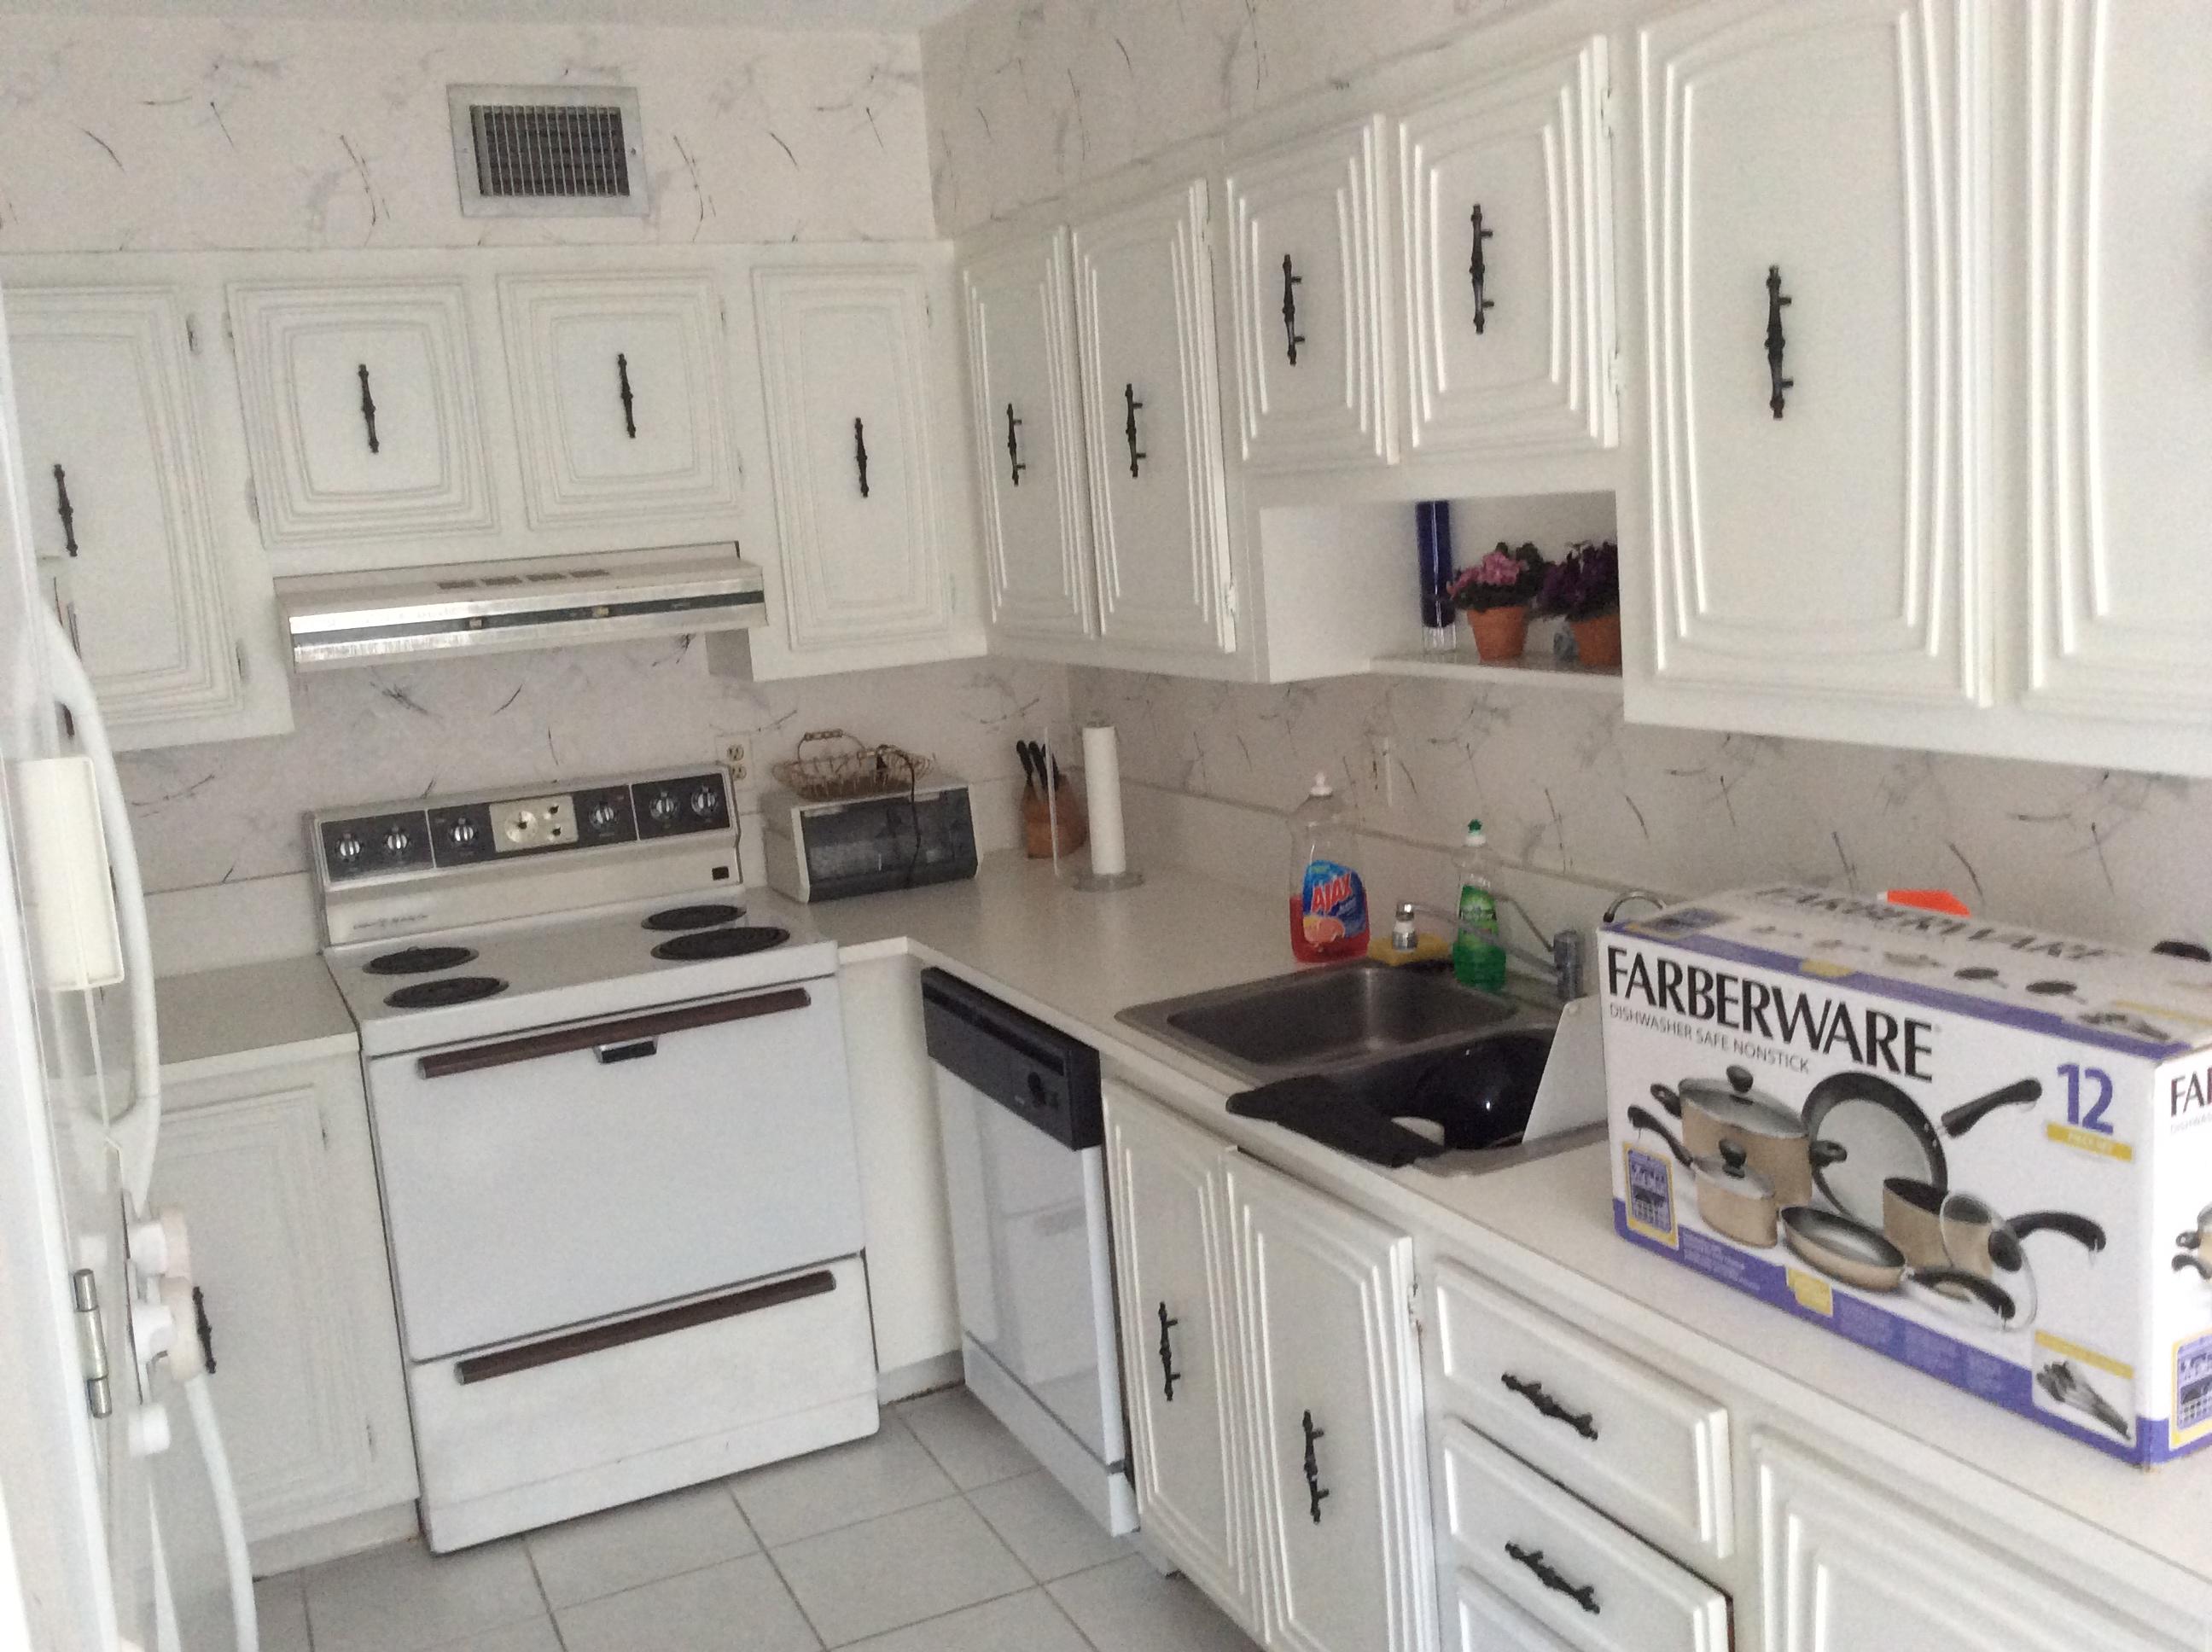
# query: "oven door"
{"points": [[548, 1177]]}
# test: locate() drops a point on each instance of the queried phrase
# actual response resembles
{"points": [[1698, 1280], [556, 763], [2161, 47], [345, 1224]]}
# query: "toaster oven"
{"points": [[864, 846]]}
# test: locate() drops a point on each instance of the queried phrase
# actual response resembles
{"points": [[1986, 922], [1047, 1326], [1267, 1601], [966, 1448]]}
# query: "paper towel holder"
{"points": [[1074, 867]]}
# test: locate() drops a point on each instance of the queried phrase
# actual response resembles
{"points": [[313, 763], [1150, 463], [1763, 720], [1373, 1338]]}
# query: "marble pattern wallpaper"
{"points": [[183, 134]]}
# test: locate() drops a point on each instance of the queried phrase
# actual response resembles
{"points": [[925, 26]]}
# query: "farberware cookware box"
{"points": [[1983, 1151]]}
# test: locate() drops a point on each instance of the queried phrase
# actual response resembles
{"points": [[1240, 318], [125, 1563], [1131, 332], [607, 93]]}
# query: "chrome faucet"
{"points": [[1564, 965], [1613, 910]]}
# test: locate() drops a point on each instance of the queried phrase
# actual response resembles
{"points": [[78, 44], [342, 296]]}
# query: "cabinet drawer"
{"points": [[1478, 1619], [1629, 1440], [1593, 1583]]}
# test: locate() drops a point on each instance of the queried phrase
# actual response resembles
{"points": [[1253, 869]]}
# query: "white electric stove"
{"points": [[607, 1087]]}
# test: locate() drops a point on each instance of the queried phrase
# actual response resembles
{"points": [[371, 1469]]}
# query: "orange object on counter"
{"points": [[1928, 900]]}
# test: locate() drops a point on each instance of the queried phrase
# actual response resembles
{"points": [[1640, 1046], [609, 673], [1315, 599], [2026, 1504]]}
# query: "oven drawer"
{"points": [[576, 1172], [1629, 1440], [1595, 1585]]}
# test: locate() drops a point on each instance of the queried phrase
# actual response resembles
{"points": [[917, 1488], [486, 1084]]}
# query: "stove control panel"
{"points": [[474, 832]]}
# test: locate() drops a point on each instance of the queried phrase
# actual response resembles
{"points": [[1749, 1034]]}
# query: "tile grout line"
{"points": [[792, 1596]]}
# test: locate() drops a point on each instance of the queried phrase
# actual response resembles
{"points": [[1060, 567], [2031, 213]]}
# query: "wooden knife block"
{"points": [[1038, 824]]}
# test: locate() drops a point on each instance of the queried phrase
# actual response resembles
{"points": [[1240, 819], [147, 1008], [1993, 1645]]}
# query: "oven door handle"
{"points": [[612, 1041]]}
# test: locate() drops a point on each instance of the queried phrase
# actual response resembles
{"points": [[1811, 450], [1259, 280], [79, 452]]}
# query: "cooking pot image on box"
{"points": [[1734, 1200], [1772, 1137], [2189, 1248], [1862, 1130], [1854, 1254], [1936, 1228]]}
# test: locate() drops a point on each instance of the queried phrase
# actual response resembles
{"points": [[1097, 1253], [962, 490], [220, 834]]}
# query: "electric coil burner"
{"points": [[703, 916], [419, 960], [445, 990], [731, 942]]}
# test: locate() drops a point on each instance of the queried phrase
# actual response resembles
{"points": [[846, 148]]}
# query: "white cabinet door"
{"points": [[622, 404], [1182, 1370], [2120, 349], [844, 356], [1144, 304], [1508, 216], [1848, 1568], [1029, 441], [1305, 262], [273, 1171], [1811, 252], [361, 417], [121, 519], [1334, 1398]]}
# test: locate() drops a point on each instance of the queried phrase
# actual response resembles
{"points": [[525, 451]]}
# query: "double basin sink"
{"points": [[1389, 1063]]}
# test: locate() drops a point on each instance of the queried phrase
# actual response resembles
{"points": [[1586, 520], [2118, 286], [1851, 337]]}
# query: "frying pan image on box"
{"points": [[1854, 1254], [1939, 1228], [1734, 1200], [1862, 1130]]}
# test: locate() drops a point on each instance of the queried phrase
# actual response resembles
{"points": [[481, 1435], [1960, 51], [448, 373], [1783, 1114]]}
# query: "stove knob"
{"points": [[395, 840], [347, 848], [705, 802], [463, 832], [663, 806], [603, 814]]}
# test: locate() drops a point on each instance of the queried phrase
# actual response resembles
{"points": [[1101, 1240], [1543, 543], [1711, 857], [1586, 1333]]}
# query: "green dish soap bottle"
{"points": [[1478, 956]]}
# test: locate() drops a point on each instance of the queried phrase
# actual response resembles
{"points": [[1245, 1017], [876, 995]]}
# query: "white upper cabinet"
{"points": [[1028, 431], [1811, 246], [363, 417], [1508, 218], [2119, 293], [622, 404], [161, 586], [1305, 262], [844, 354], [1144, 288]]}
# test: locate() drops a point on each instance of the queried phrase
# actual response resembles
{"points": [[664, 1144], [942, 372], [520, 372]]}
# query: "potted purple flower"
{"points": [[1583, 587], [1495, 594]]}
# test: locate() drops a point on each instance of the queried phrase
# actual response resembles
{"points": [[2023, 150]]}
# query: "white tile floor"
{"points": [[939, 1534]]}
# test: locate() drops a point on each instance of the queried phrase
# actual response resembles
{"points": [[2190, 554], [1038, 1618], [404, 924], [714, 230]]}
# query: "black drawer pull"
{"points": [[860, 455], [1478, 271], [1129, 426], [1776, 341], [629, 402], [1314, 1491], [1014, 465], [1291, 337], [65, 510], [636, 1050], [1580, 1421], [1169, 1375], [1582, 1594], [368, 408]]}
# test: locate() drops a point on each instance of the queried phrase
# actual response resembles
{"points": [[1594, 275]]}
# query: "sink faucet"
{"points": [[1612, 911], [1564, 965]]}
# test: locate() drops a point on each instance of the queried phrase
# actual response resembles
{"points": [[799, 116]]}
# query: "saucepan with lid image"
{"points": [[1772, 1137], [1734, 1200]]}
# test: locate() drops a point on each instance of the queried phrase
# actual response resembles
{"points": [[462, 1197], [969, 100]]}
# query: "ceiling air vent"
{"points": [[548, 151]]}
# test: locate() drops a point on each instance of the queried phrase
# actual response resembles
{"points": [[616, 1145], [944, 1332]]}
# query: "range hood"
{"points": [[335, 619]]}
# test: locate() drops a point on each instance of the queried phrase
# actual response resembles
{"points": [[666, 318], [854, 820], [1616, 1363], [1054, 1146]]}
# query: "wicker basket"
{"points": [[854, 771]]}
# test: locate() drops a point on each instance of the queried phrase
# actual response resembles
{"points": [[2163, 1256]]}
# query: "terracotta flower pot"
{"points": [[1597, 641], [1500, 634]]}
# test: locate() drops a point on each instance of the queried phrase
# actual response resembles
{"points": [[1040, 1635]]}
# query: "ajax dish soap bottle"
{"points": [[1478, 958], [1328, 904]]}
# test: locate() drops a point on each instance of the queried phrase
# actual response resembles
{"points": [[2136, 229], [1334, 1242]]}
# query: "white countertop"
{"points": [[250, 1015], [1543, 1219]]}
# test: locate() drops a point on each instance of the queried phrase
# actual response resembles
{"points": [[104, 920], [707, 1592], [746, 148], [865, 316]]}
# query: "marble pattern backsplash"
{"points": [[218, 814], [1567, 788], [180, 134]]}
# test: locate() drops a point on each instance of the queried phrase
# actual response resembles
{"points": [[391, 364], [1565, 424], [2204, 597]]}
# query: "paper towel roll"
{"points": [[1101, 775]]}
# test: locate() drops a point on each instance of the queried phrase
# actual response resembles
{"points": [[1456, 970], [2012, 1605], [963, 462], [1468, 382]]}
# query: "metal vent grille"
{"points": [[548, 150]]}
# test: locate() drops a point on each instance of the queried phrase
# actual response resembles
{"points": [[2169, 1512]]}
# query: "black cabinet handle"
{"points": [[1314, 1491], [1129, 426], [1014, 465], [203, 1327], [1291, 337], [1776, 342], [65, 510], [860, 455], [1478, 271], [629, 402], [1552, 1578], [368, 408], [1580, 1421], [1169, 1375]]}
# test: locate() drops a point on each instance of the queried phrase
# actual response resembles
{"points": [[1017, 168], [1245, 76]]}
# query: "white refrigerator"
{"points": [[118, 1525]]}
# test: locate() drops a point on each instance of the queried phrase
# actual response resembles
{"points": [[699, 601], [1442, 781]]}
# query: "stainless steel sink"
{"points": [[1338, 1015]]}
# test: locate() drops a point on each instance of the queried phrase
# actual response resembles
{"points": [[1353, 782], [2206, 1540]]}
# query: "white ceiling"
{"points": [[897, 16]]}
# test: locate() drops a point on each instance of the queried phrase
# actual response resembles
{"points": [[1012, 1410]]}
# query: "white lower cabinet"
{"points": [[273, 1169], [1848, 1568], [1483, 1620], [1273, 1385]]}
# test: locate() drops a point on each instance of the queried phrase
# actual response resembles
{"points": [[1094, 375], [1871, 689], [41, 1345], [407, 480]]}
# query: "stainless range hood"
{"points": [[335, 619]]}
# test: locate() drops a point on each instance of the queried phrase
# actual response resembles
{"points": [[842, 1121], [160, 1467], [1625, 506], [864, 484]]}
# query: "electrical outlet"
{"points": [[1381, 771], [735, 756]]}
